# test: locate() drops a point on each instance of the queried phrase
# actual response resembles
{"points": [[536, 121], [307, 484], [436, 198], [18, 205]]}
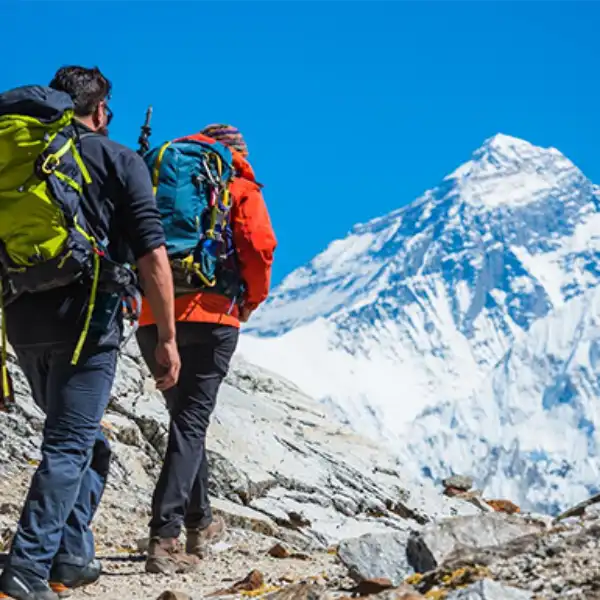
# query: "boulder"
{"points": [[376, 556], [486, 589], [431, 545], [458, 482]]}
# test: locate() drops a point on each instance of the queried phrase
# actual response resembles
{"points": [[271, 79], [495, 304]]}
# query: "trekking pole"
{"points": [[144, 139]]}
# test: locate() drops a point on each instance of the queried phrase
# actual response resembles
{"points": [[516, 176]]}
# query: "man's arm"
{"points": [[146, 238]]}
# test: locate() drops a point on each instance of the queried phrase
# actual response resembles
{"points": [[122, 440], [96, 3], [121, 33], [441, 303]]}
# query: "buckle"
{"points": [[50, 164]]}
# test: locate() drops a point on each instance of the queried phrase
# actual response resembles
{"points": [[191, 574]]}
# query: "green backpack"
{"points": [[45, 242]]}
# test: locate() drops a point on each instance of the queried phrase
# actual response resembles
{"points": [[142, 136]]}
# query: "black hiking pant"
{"points": [[181, 493]]}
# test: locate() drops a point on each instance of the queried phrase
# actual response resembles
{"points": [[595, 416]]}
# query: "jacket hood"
{"points": [[242, 166]]}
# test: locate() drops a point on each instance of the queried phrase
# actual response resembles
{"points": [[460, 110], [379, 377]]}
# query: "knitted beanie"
{"points": [[227, 135]]}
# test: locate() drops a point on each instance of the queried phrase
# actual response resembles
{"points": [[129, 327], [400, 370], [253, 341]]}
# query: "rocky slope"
{"points": [[314, 511], [278, 459]]}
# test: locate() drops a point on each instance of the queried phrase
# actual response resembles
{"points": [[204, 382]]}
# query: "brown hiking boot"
{"points": [[166, 555], [199, 539]]}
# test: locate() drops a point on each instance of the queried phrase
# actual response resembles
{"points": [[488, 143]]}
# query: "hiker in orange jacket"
{"points": [[253, 237], [207, 335]]}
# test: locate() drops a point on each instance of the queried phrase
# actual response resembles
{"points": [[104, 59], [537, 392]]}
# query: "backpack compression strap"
{"points": [[156, 170], [6, 387], [53, 160], [218, 215], [49, 167], [219, 212], [92, 302]]}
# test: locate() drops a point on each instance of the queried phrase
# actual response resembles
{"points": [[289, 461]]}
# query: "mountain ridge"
{"points": [[363, 237], [416, 308]]}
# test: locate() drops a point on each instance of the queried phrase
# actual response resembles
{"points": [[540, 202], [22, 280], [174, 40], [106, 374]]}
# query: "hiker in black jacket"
{"points": [[53, 548]]}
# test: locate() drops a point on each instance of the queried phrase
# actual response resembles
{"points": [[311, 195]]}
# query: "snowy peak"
{"points": [[501, 146], [453, 297], [482, 231], [509, 172]]}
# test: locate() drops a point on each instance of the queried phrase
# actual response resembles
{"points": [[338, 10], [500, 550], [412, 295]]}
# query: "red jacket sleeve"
{"points": [[254, 239]]}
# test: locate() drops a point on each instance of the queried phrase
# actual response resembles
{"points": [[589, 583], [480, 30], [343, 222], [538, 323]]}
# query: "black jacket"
{"points": [[119, 206]]}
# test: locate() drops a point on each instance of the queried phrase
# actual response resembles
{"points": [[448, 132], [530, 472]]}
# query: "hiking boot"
{"points": [[199, 539], [167, 556], [65, 578], [24, 586]]}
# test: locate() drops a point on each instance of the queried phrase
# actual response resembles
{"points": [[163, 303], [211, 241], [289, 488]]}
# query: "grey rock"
{"points": [[347, 506], [430, 546], [403, 592], [302, 591], [487, 589], [124, 430], [301, 542], [374, 556], [226, 480], [312, 498], [460, 482], [271, 448], [579, 509], [242, 517]]}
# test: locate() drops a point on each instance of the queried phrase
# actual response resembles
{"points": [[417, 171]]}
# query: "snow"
{"points": [[523, 421], [343, 253], [412, 327], [546, 269]]}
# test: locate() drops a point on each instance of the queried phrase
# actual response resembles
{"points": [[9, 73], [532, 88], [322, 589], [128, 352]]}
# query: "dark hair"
{"points": [[87, 87]]}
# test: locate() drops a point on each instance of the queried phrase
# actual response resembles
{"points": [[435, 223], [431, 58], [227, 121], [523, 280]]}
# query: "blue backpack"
{"points": [[191, 182]]}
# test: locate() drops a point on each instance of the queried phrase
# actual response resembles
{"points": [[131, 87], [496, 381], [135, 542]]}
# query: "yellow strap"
{"points": [[69, 181], [68, 145], [54, 160], [156, 171], [206, 282], [86, 174], [64, 259], [83, 232], [210, 234], [4, 359], [188, 264], [226, 196], [90, 310]]}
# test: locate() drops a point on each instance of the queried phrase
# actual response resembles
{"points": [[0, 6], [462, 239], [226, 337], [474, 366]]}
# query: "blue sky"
{"points": [[350, 109]]}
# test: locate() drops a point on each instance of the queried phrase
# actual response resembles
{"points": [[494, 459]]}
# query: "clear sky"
{"points": [[350, 109]]}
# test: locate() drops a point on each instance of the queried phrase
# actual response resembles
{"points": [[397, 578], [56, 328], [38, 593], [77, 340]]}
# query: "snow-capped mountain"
{"points": [[415, 310], [531, 432]]}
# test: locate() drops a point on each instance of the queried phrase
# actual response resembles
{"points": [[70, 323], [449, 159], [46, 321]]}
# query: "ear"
{"points": [[97, 117]]}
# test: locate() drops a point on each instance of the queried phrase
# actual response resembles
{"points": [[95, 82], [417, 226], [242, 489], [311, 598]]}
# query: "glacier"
{"points": [[531, 432], [460, 330]]}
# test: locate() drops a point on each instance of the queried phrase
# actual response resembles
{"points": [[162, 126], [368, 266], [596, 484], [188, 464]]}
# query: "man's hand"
{"points": [[245, 313], [157, 282], [167, 357]]}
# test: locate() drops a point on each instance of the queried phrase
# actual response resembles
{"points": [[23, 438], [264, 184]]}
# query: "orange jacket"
{"points": [[255, 244]]}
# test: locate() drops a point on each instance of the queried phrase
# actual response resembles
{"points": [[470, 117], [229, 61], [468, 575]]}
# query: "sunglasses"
{"points": [[109, 114]]}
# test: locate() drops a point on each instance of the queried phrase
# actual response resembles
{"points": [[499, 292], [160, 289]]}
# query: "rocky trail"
{"points": [[313, 510]]}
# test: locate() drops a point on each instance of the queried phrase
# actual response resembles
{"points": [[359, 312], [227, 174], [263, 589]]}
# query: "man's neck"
{"points": [[87, 121]]}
